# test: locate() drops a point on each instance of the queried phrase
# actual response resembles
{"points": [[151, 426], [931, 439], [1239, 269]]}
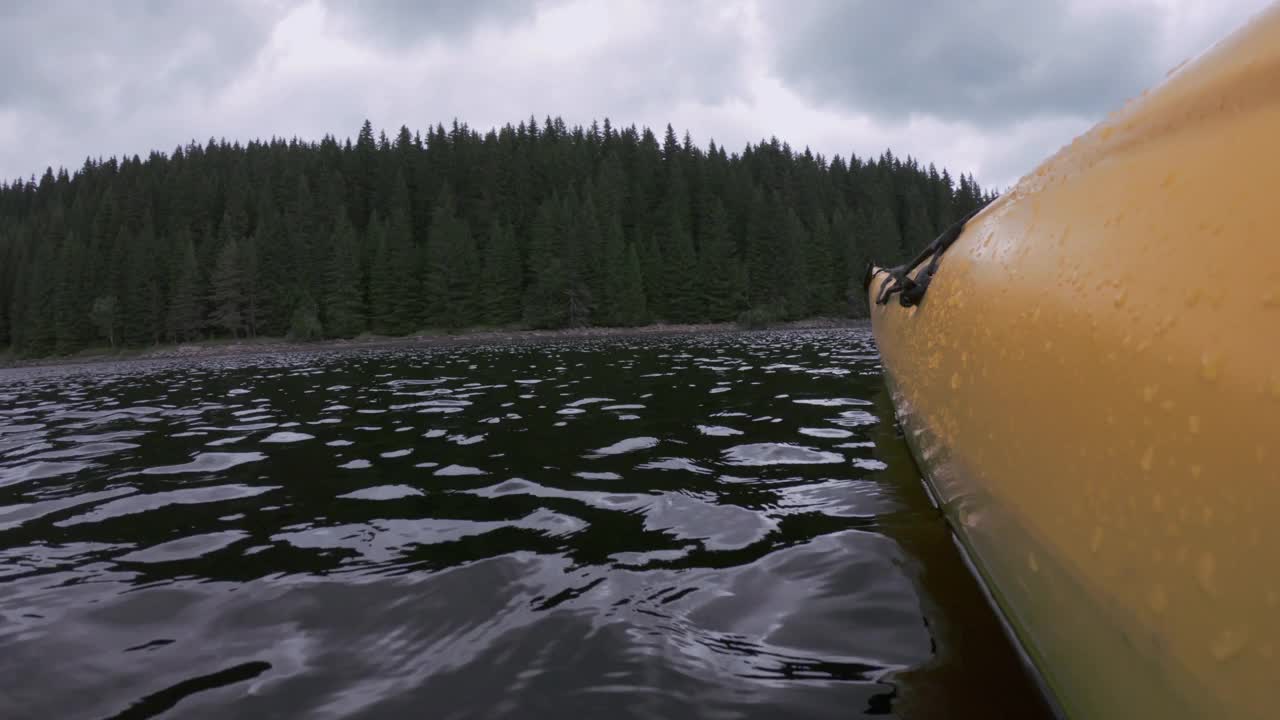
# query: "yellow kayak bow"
{"points": [[1091, 385]]}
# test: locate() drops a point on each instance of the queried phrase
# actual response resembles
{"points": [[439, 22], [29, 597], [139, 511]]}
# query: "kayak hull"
{"points": [[1091, 386]]}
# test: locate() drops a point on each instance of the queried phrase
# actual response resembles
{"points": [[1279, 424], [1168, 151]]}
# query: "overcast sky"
{"points": [[985, 86]]}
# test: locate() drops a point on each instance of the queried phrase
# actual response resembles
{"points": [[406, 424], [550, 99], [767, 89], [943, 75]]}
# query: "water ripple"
{"points": [[637, 527]]}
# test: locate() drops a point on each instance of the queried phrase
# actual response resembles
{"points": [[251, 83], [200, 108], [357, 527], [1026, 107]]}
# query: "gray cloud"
{"points": [[990, 62], [409, 22], [79, 61], [91, 79], [989, 87]]}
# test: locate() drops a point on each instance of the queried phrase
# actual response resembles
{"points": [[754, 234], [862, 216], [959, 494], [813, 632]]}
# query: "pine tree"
{"points": [[452, 268], [389, 275], [142, 318], [718, 269], [581, 243], [103, 316], [546, 289], [305, 323], [848, 275], [681, 302], [917, 229], [552, 224], [879, 231], [363, 174], [35, 309], [818, 259], [943, 203], [343, 310], [251, 284], [500, 281], [613, 269], [184, 321], [8, 261], [653, 275], [463, 273], [631, 308], [791, 267], [227, 286], [402, 276], [766, 243], [272, 280], [682, 297], [71, 304]]}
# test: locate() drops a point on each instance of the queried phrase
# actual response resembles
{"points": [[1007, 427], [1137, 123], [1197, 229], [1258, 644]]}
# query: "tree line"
{"points": [[535, 225]]}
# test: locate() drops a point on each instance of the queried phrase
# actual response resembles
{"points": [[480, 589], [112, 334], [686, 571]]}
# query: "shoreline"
{"points": [[462, 338]]}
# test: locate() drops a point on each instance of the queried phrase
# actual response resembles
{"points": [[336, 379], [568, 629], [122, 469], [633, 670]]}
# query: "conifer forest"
{"points": [[536, 225]]}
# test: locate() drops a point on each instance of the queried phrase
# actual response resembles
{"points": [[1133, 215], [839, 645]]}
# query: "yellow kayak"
{"points": [[1090, 383]]}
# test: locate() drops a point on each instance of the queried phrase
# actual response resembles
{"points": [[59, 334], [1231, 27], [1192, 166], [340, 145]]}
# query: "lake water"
{"points": [[714, 526]]}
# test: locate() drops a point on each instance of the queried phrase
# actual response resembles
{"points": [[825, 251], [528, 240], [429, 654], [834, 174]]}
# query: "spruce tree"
{"points": [[251, 284], [452, 268], [581, 248], [719, 271], [463, 273], [272, 281], [142, 319], [501, 278], [103, 315], [917, 228], [227, 289], [71, 304], [818, 258], [631, 308], [386, 287], [653, 276], [612, 272], [552, 224], [305, 322], [766, 244], [681, 301], [791, 275], [343, 310], [546, 290], [184, 321], [402, 280]]}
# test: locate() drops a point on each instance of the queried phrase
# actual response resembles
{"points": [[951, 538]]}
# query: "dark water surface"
{"points": [[716, 527]]}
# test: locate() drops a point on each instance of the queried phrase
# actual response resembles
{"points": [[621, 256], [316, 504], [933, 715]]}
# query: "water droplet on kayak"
{"points": [[1206, 569], [1156, 599], [1210, 363], [1228, 644], [1195, 471], [1193, 424], [1031, 562], [1095, 542], [955, 381], [1146, 459], [1121, 297]]}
